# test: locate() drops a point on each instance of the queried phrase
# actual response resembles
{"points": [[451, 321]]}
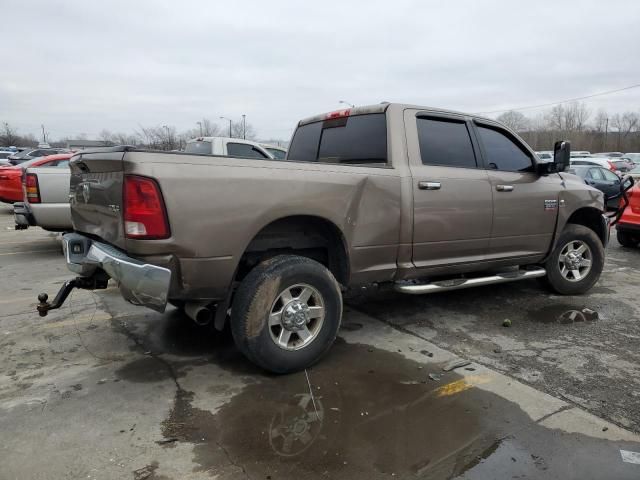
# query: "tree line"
{"points": [[159, 137], [586, 130]]}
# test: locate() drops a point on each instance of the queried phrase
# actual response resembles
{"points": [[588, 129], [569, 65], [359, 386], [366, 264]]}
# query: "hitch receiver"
{"points": [[97, 281]]}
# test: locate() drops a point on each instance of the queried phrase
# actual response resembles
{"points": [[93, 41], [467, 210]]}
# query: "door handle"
{"points": [[429, 185], [504, 188]]}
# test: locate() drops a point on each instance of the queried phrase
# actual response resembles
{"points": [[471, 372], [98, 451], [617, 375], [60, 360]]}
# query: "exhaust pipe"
{"points": [[199, 312]]}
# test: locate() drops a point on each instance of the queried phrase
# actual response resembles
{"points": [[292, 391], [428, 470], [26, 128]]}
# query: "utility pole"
{"points": [[200, 125], [225, 118], [606, 130], [244, 126], [168, 137], [44, 135]]}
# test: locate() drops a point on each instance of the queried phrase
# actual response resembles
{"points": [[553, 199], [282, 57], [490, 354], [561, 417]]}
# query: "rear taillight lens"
{"points": [[145, 216], [31, 189]]}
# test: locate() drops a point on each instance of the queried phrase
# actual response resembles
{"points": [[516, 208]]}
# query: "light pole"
{"points": [[244, 126], [200, 125], [225, 118], [168, 137], [347, 103]]}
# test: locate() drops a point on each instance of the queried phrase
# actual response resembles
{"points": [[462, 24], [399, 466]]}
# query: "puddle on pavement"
{"points": [[563, 314], [373, 414]]}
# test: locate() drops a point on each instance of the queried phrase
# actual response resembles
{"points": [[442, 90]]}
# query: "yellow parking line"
{"points": [[461, 385]]}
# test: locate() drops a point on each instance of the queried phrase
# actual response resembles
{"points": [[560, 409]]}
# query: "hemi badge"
{"points": [[550, 204]]}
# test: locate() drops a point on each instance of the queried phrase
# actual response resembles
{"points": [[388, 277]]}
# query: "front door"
{"points": [[525, 204], [451, 191]]}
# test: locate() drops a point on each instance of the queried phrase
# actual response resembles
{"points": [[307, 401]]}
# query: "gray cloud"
{"points": [[80, 66]]}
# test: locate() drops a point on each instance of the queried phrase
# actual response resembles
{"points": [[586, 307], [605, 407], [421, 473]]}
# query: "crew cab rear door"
{"points": [[525, 203], [451, 190]]}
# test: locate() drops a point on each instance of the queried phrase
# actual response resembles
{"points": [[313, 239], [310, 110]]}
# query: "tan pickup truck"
{"points": [[425, 200]]}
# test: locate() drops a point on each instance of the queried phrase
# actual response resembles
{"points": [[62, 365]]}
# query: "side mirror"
{"points": [[562, 155]]}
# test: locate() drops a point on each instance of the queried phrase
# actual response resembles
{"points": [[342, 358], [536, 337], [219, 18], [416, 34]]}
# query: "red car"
{"points": [[628, 228], [11, 175]]}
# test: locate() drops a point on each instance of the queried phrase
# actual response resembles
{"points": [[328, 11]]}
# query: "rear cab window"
{"points": [[350, 140]]}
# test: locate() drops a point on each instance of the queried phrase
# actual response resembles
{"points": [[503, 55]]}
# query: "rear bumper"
{"points": [[140, 283], [628, 227], [51, 216]]}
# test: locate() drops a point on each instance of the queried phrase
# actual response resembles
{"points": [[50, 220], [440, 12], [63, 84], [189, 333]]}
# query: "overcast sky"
{"points": [[81, 66]]}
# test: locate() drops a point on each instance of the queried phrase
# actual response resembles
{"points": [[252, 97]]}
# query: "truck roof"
{"points": [[382, 107]]}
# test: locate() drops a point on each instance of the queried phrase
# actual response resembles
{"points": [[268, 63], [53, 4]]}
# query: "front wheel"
{"points": [[577, 261], [627, 239], [286, 313]]}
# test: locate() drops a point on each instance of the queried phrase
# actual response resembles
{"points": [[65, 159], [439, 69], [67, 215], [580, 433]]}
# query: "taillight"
{"points": [[338, 114], [612, 167], [145, 216], [31, 189]]}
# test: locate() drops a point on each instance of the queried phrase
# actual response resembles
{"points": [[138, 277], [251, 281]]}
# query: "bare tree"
{"points": [[514, 120], [238, 132], [8, 135], [575, 117]]}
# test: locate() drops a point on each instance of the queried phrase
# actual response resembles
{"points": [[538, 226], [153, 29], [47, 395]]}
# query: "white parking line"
{"points": [[630, 457], [29, 251]]}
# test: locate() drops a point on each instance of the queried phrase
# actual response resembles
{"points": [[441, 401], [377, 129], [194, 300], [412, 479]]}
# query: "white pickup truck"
{"points": [[46, 199], [227, 147]]}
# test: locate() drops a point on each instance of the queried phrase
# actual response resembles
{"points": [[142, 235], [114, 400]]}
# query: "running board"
{"points": [[459, 283]]}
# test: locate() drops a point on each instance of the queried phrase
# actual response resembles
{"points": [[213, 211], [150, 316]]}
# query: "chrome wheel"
{"points": [[575, 260], [296, 317]]}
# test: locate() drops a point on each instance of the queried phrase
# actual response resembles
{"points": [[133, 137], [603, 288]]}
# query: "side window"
{"points": [[609, 175], [50, 163], [503, 153], [244, 150], [63, 164], [445, 142], [596, 174]]}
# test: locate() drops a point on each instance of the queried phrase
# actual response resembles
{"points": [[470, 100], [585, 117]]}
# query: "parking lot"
{"points": [[103, 389]]}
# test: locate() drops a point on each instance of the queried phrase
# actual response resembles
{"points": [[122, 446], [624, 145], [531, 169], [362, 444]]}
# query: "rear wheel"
{"points": [[286, 313], [627, 239], [577, 261]]}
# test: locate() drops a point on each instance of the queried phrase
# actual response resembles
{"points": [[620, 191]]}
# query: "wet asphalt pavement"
{"points": [[102, 389]]}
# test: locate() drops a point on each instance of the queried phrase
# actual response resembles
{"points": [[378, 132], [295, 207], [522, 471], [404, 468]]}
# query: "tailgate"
{"points": [[96, 194], [53, 183]]}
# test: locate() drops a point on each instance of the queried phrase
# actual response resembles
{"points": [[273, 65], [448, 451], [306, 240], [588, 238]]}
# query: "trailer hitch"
{"points": [[96, 281]]}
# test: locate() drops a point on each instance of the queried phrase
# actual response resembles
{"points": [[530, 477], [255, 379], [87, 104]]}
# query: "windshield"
{"points": [[201, 147]]}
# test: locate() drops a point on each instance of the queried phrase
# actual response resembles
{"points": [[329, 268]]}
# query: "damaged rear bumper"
{"points": [[140, 283]]}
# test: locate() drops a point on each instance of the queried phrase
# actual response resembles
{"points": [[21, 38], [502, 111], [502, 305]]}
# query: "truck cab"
{"points": [[228, 147]]}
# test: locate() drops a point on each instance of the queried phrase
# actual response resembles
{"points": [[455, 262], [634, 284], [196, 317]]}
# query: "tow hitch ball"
{"points": [[88, 283]]}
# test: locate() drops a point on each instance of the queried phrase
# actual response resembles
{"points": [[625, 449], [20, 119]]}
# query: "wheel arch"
{"points": [[305, 235], [591, 218]]}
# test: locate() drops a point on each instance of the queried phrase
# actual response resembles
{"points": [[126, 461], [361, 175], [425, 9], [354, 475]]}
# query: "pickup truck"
{"points": [[420, 199], [228, 147], [46, 197]]}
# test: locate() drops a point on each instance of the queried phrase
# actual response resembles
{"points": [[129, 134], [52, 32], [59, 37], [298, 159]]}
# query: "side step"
{"points": [[459, 283]]}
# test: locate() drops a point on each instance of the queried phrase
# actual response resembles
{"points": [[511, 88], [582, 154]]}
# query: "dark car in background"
{"points": [[31, 153], [604, 180]]}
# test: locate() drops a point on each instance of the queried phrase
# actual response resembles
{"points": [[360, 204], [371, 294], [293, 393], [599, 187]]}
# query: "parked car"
{"points": [[633, 157], [46, 197], [635, 173], [601, 178], [622, 165], [609, 154], [279, 153], [231, 147], [612, 164], [424, 200], [11, 176], [29, 154], [628, 228], [4, 158], [580, 154], [545, 155]]}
